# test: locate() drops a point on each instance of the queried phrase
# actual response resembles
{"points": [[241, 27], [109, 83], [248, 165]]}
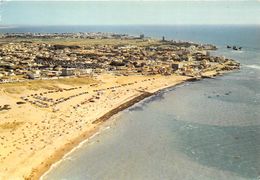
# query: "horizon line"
{"points": [[48, 25]]}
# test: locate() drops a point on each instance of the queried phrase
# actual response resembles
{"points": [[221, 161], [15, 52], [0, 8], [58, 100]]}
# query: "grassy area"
{"points": [[85, 42], [74, 81], [20, 87]]}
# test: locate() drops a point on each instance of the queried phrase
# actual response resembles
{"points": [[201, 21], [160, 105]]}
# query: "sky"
{"points": [[124, 12]]}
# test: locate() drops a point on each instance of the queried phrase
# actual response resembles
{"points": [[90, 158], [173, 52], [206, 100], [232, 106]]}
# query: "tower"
{"points": [[163, 38]]}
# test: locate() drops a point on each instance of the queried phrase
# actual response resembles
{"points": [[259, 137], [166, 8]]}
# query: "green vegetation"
{"points": [[20, 87], [85, 42]]}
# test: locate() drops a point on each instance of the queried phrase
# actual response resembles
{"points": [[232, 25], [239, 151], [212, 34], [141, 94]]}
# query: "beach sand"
{"points": [[57, 118]]}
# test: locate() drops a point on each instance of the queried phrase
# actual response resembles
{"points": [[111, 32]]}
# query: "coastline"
{"points": [[43, 136], [60, 154], [50, 134], [44, 120]]}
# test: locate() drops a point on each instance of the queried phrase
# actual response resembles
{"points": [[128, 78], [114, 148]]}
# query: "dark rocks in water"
{"points": [[209, 96], [234, 47]]}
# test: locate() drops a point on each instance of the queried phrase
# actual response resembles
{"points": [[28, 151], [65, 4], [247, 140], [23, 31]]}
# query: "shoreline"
{"points": [[58, 156], [45, 120], [50, 133], [55, 134]]}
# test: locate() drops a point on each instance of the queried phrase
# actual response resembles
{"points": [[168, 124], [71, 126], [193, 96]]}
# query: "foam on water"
{"points": [[254, 66]]}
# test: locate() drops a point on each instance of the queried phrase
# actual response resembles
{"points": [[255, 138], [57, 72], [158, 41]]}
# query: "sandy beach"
{"points": [[41, 125]]}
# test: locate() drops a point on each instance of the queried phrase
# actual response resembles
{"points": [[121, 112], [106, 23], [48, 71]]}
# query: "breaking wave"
{"points": [[254, 66]]}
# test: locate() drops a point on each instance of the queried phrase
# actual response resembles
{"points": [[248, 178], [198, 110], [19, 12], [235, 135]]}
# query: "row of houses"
{"points": [[29, 60]]}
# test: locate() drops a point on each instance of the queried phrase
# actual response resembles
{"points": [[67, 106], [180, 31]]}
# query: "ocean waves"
{"points": [[253, 66]]}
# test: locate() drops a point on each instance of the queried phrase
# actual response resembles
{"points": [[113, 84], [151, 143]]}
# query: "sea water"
{"points": [[208, 129]]}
